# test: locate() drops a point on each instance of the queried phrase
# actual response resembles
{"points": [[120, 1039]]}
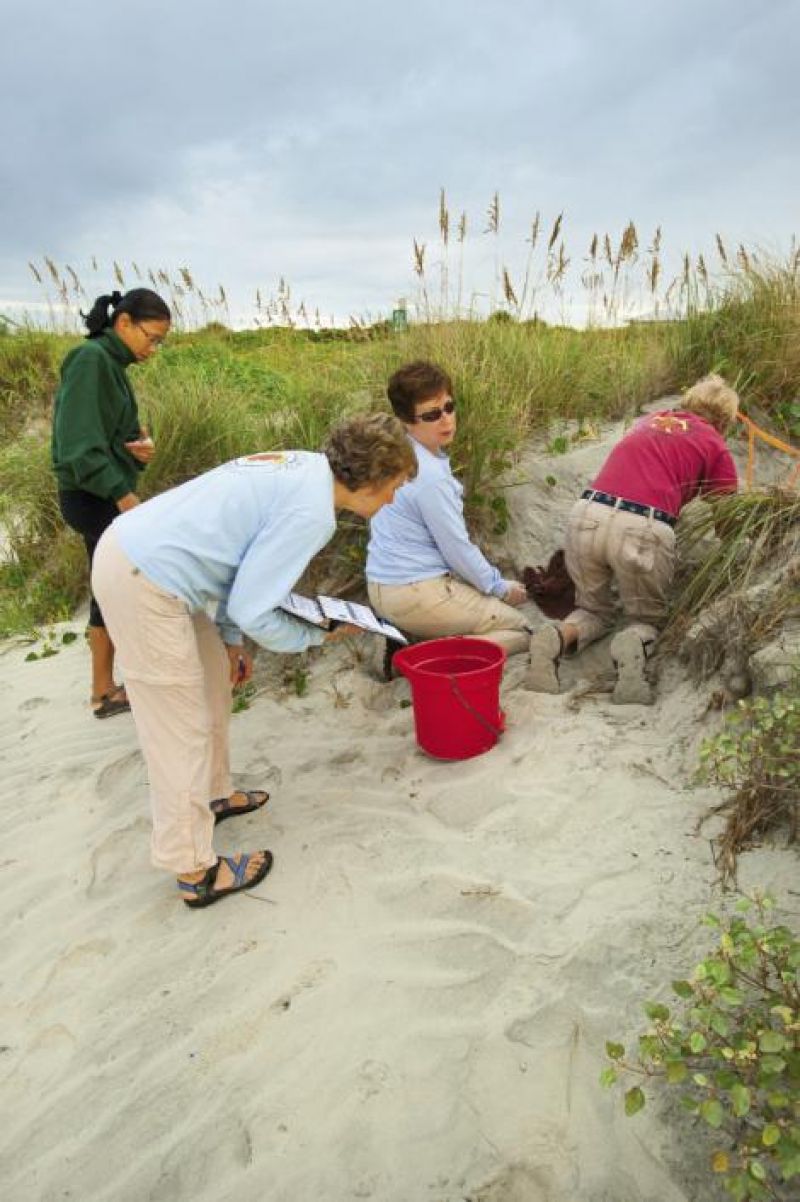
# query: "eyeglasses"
{"points": [[153, 339], [435, 415]]}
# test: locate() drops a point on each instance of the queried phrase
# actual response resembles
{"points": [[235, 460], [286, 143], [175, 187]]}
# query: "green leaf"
{"points": [[69, 636], [757, 1170], [697, 1041], [712, 1112], [683, 989], [731, 996], [608, 1077], [740, 1100], [771, 1041], [738, 1187], [772, 1064], [615, 1051], [31, 656], [770, 1135], [634, 1101], [656, 1012], [719, 1023], [676, 1072]]}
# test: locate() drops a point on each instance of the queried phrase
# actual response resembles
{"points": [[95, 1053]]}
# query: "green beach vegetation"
{"points": [[214, 392]]}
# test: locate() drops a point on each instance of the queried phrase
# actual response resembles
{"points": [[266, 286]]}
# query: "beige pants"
{"points": [[177, 676], [637, 552], [444, 605]]}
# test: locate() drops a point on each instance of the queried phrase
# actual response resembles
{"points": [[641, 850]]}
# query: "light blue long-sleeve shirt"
{"points": [[422, 534], [240, 535]]}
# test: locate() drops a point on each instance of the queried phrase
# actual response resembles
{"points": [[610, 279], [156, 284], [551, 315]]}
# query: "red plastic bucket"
{"points": [[455, 691]]}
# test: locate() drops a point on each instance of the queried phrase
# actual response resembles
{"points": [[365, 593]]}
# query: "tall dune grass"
{"points": [[213, 392]]}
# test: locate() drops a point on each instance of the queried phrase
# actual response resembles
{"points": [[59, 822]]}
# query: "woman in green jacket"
{"points": [[99, 445]]}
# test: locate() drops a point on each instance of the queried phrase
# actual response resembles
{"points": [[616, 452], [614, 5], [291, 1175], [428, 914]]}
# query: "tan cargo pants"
{"points": [[636, 552], [177, 676], [443, 606]]}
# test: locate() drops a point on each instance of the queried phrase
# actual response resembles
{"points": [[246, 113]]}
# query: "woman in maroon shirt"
{"points": [[622, 530]]}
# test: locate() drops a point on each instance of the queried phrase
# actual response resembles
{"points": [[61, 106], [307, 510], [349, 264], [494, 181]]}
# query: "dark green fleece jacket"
{"points": [[95, 415]]}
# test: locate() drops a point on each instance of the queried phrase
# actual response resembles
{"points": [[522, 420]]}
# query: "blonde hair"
{"points": [[369, 449], [714, 400]]}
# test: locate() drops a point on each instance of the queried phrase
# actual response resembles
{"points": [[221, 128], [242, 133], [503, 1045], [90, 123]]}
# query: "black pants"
{"points": [[89, 516]]}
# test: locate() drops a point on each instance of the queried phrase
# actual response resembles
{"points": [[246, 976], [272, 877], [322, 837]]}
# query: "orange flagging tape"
{"points": [[754, 432]]}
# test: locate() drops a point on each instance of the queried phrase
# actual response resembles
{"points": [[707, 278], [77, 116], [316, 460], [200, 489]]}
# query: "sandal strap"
{"points": [[201, 888]]}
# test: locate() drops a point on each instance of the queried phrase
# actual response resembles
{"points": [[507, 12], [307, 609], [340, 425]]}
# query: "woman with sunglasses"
{"points": [[424, 574], [99, 446]]}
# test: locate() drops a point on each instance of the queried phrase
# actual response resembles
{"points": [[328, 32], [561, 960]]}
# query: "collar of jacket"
{"points": [[116, 348]]}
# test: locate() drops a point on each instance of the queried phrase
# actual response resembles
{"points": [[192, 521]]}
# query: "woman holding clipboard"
{"points": [[237, 537]]}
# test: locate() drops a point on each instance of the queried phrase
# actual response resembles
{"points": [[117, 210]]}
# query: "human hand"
{"points": [[142, 448], [129, 501], [241, 662], [517, 593]]}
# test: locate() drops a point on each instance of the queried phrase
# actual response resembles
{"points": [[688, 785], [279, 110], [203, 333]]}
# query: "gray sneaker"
{"points": [[628, 653], [546, 648]]}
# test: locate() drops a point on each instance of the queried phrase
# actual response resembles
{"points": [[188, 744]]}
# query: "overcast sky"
{"points": [[252, 140]]}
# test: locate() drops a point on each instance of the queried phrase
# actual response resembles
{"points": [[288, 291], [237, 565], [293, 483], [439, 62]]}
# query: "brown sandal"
{"points": [[111, 704], [222, 808]]}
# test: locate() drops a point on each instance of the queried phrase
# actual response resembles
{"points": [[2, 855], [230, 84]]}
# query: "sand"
{"points": [[411, 1008]]}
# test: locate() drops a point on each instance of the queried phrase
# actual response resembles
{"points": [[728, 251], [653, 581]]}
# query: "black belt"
{"points": [[604, 498]]}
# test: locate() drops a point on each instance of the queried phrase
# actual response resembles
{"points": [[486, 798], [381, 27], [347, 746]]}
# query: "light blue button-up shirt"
{"points": [[240, 536], [422, 534]]}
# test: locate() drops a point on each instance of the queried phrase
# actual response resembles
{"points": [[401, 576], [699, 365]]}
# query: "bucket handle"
{"points": [[459, 696]]}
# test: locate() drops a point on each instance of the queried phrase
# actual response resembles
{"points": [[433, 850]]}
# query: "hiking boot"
{"points": [[629, 653], [546, 648]]}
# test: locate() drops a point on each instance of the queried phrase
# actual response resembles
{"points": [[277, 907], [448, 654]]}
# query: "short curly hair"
{"points": [[714, 400], [369, 449]]}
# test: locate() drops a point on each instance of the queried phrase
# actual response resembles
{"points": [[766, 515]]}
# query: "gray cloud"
{"points": [[261, 139]]}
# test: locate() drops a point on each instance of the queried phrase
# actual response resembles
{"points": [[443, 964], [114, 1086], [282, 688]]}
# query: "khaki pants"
{"points": [[444, 606], [637, 552], [177, 676]]}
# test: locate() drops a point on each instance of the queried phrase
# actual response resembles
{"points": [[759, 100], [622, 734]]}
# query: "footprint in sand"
{"points": [[373, 1078], [114, 857], [310, 978], [45, 1058], [516, 1183], [80, 956], [121, 775], [33, 703]]}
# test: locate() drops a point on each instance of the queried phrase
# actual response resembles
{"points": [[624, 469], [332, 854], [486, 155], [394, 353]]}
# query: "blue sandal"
{"points": [[222, 807], [204, 892]]}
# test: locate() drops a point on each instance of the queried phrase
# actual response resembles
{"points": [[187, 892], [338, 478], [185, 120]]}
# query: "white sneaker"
{"points": [[628, 653], [546, 648]]}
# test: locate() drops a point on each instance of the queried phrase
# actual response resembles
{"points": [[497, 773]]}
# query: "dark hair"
{"points": [[415, 382], [142, 304], [369, 449]]}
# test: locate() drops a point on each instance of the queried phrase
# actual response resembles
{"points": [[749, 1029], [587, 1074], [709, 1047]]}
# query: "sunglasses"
{"points": [[435, 415]]}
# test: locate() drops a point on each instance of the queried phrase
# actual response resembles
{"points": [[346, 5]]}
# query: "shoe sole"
{"points": [[542, 674], [632, 687]]}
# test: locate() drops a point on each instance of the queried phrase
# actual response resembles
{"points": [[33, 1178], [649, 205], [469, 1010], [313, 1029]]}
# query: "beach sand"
{"points": [[411, 1008]]}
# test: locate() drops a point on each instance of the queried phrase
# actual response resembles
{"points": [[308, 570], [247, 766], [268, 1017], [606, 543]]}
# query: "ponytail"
{"points": [[142, 304]]}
